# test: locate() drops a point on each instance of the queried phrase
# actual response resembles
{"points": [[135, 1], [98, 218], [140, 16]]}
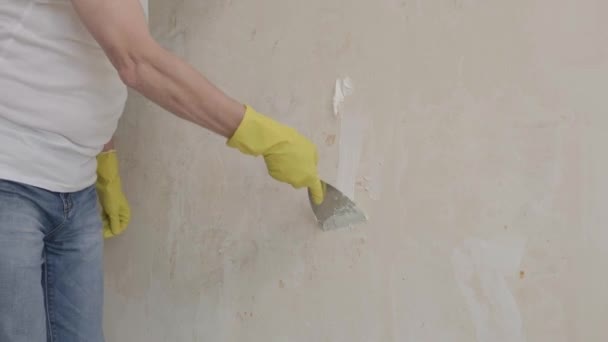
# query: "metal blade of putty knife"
{"points": [[337, 210]]}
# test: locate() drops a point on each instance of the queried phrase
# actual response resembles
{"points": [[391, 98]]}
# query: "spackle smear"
{"points": [[481, 268], [351, 142], [344, 88]]}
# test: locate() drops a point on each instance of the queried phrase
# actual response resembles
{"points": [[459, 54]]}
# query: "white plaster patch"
{"points": [[480, 268], [344, 88], [351, 143]]}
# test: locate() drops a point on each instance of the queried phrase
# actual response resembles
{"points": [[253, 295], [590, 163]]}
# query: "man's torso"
{"points": [[60, 98]]}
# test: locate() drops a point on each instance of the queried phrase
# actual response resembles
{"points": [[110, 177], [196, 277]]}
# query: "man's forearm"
{"points": [[179, 88]]}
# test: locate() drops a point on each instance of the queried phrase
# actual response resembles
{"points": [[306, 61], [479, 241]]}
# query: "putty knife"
{"points": [[337, 210]]}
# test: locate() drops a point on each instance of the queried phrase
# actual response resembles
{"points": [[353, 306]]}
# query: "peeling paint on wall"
{"points": [[344, 88]]}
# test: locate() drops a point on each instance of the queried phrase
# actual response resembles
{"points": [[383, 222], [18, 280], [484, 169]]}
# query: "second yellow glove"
{"points": [[116, 213], [289, 156]]}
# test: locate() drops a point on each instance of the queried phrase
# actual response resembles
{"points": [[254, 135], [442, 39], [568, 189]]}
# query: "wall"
{"points": [[474, 140]]}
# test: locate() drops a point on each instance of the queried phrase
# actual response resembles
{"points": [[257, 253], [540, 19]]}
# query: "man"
{"points": [[63, 70]]}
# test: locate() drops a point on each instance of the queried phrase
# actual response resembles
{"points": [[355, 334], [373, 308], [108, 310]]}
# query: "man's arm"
{"points": [[120, 27]]}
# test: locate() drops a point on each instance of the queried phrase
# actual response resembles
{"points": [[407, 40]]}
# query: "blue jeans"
{"points": [[51, 272]]}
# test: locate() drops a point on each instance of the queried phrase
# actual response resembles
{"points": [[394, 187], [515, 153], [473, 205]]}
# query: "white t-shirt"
{"points": [[60, 98]]}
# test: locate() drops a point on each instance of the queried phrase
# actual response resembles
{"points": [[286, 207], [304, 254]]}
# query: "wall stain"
{"points": [[346, 45]]}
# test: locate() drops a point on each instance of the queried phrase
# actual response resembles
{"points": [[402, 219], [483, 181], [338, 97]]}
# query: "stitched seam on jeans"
{"points": [[66, 205], [65, 217], [56, 229], [49, 318]]}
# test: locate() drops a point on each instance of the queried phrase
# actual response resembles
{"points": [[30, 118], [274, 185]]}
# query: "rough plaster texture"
{"points": [[482, 169]]}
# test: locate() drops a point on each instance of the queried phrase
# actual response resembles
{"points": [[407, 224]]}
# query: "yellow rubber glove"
{"points": [[289, 156], [116, 213]]}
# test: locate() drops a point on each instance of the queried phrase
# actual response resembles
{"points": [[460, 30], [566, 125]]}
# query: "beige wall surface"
{"points": [[475, 139]]}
